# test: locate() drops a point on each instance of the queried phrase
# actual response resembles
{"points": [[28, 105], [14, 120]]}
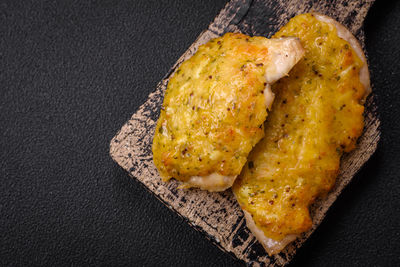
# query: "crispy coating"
{"points": [[317, 115], [214, 108]]}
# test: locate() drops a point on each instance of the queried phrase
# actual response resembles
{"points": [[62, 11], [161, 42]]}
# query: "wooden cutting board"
{"points": [[217, 215]]}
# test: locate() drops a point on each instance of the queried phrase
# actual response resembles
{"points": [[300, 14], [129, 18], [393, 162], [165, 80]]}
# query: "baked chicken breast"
{"points": [[215, 106], [317, 115]]}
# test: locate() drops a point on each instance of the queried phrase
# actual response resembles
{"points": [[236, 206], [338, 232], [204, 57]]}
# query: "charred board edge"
{"points": [[217, 215]]}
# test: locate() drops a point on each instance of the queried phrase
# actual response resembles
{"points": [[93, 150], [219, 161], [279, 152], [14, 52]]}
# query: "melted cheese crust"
{"points": [[316, 116], [215, 106]]}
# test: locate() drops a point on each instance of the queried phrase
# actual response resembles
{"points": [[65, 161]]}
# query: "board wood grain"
{"points": [[218, 215]]}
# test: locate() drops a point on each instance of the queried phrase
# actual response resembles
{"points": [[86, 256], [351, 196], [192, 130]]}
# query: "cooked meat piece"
{"points": [[316, 116], [215, 106]]}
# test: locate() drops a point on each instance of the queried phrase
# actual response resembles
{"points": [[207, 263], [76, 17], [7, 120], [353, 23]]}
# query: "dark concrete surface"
{"points": [[72, 72]]}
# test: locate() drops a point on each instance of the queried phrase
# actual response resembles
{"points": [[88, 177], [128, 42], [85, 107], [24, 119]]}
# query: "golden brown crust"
{"points": [[345, 34], [272, 246], [215, 106]]}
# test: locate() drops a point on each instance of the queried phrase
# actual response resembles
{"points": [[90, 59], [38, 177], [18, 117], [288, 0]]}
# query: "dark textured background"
{"points": [[72, 72]]}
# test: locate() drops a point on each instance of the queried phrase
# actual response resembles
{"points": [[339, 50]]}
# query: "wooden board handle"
{"points": [[270, 15]]}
